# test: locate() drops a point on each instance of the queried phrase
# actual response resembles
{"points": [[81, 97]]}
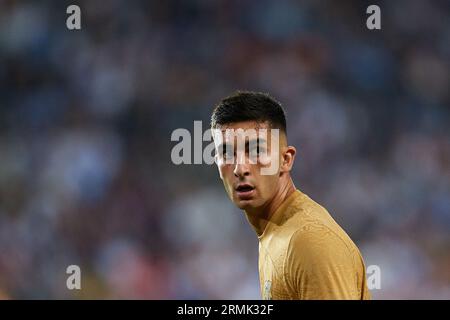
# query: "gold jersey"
{"points": [[305, 254]]}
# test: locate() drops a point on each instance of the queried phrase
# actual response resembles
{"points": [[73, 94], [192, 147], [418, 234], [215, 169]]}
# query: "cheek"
{"points": [[228, 185], [268, 184], [221, 168], [267, 158], [264, 159], [224, 172]]}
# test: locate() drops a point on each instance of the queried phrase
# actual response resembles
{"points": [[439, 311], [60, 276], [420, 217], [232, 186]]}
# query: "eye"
{"points": [[254, 151], [226, 152], [256, 148]]}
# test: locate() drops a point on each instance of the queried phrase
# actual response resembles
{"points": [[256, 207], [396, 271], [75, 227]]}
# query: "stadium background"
{"points": [[86, 117]]}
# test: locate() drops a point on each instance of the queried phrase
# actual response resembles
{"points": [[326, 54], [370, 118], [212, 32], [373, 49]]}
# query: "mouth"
{"points": [[244, 191]]}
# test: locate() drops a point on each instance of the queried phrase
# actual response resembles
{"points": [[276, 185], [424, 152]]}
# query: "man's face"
{"points": [[248, 156]]}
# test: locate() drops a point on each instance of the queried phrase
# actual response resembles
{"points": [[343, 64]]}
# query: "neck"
{"points": [[259, 217]]}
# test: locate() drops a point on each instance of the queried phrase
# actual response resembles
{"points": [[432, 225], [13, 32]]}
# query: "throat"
{"points": [[258, 220], [260, 217]]}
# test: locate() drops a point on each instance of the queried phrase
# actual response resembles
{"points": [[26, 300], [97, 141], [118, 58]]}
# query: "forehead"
{"points": [[245, 125], [248, 130]]}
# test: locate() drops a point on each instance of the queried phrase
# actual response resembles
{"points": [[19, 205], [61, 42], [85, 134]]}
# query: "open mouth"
{"points": [[244, 191], [244, 188]]}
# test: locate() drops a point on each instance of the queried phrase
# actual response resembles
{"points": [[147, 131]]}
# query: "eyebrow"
{"points": [[223, 145], [247, 143], [258, 140]]}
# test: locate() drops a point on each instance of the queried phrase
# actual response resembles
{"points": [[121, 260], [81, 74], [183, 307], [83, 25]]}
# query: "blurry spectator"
{"points": [[86, 118]]}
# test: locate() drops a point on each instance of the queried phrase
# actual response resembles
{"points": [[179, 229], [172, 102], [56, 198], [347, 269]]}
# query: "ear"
{"points": [[288, 158]]}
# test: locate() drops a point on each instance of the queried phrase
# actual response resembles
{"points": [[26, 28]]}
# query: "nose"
{"points": [[241, 170]]}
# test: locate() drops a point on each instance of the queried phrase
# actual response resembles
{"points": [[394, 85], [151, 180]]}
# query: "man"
{"points": [[303, 252]]}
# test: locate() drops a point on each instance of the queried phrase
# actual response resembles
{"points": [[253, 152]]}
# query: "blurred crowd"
{"points": [[86, 117]]}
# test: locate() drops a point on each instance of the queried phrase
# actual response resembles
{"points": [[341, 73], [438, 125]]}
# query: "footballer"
{"points": [[303, 252]]}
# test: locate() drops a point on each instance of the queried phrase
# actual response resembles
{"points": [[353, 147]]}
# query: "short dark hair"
{"points": [[249, 106]]}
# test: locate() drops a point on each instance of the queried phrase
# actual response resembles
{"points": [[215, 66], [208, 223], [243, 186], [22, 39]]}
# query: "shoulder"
{"points": [[320, 265], [312, 227], [318, 243]]}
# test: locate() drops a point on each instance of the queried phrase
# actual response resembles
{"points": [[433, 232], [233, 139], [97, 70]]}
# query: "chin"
{"points": [[245, 204]]}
